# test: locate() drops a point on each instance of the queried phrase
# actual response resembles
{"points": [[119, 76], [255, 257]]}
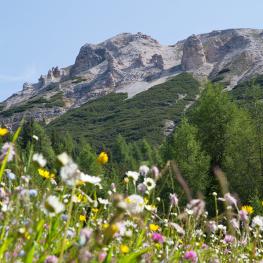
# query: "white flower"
{"points": [[53, 206], [144, 170], [70, 173], [134, 204], [103, 201], [258, 222], [90, 179], [133, 175], [39, 158], [35, 137], [64, 158], [149, 183]]}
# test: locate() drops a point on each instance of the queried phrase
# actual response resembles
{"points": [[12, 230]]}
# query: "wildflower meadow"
{"points": [[64, 215]]}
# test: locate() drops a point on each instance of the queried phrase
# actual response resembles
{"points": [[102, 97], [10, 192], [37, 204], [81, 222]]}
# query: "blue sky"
{"points": [[39, 34]]}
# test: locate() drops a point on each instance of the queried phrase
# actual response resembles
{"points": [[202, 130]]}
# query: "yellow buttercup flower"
{"points": [[45, 173], [124, 249], [103, 158], [3, 131], [82, 218], [247, 208], [153, 227]]}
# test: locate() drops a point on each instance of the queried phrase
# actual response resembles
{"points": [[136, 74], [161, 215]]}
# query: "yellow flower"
{"points": [[3, 131], [126, 180], [153, 227], [45, 173], [105, 226], [124, 249], [247, 208], [95, 210], [82, 218], [103, 158]]}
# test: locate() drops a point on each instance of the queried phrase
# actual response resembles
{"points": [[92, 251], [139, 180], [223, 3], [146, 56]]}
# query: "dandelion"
{"points": [[3, 131], [191, 256], [149, 183], [153, 227], [124, 249], [103, 158], [53, 206], [38, 157], [249, 209], [133, 175], [46, 174], [82, 218]]}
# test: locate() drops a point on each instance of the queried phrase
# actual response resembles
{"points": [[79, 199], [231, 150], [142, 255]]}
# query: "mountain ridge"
{"points": [[133, 63]]}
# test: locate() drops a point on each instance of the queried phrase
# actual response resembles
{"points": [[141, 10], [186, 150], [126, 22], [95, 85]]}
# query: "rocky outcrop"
{"points": [[193, 54], [135, 62]]}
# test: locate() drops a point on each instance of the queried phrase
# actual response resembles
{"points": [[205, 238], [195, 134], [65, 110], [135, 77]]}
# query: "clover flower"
{"points": [[191, 256], [157, 238], [144, 170]]}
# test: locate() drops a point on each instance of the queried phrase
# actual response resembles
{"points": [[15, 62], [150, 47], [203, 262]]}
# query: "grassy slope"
{"points": [[142, 116]]}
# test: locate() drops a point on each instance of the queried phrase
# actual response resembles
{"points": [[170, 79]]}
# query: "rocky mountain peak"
{"points": [[133, 63]]}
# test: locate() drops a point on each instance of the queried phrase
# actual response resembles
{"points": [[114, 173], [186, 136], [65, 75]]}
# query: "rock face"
{"points": [[193, 54], [132, 63]]}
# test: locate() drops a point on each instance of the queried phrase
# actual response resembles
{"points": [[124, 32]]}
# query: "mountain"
{"points": [[132, 63]]}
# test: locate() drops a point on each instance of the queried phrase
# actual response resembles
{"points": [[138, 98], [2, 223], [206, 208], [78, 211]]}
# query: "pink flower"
{"points": [[51, 259], [243, 216], [230, 199], [191, 256], [102, 256], [157, 237], [173, 200], [229, 239]]}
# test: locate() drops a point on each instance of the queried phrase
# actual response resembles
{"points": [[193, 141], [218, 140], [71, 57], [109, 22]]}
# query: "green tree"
{"points": [[87, 161], [192, 161]]}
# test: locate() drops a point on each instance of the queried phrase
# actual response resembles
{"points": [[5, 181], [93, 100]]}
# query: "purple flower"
{"points": [[141, 188], [85, 235], [191, 256], [197, 206], [173, 200], [230, 199], [7, 148], [157, 237], [51, 259], [229, 239], [102, 256], [156, 173], [243, 216]]}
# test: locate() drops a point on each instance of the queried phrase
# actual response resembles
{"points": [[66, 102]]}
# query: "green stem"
{"points": [[67, 226]]}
